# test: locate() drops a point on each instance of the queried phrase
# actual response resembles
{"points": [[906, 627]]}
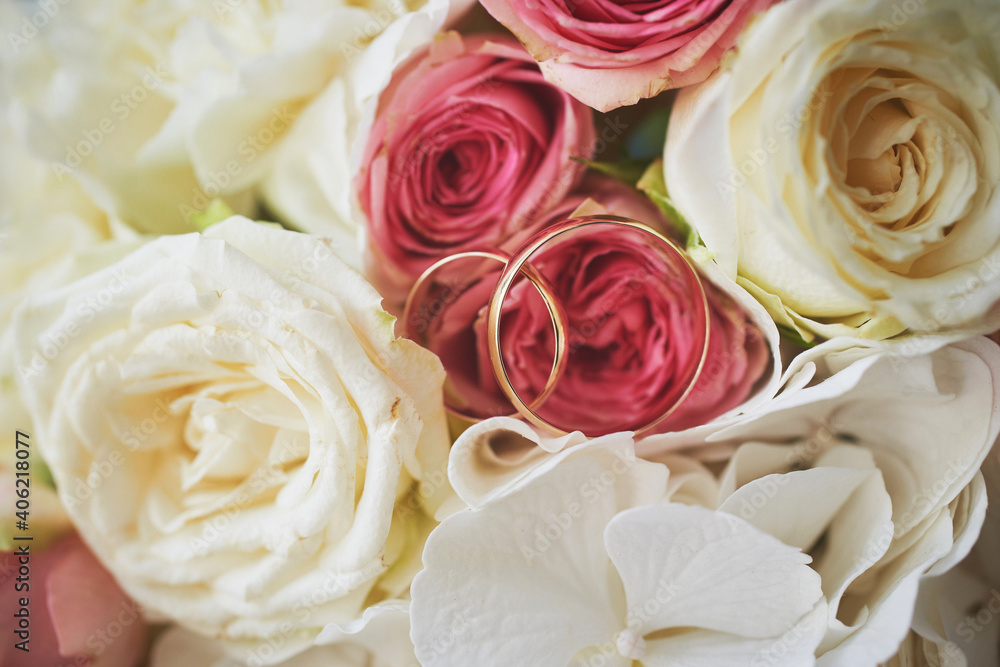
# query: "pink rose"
{"points": [[631, 335], [78, 614], [738, 359], [610, 54], [469, 146]]}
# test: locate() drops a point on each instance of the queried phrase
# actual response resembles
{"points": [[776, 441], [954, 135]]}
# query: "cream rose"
{"points": [[237, 434], [161, 106], [380, 641], [845, 166], [50, 234]]}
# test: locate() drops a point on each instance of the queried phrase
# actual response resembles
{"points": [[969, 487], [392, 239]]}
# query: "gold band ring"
{"points": [[554, 307], [515, 266]]}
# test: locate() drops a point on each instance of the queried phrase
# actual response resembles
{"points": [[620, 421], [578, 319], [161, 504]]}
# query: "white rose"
{"points": [[237, 434], [380, 639], [845, 166], [162, 106], [576, 558], [869, 462], [50, 234]]}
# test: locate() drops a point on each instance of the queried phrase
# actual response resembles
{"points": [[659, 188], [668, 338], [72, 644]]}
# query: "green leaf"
{"points": [[652, 184], [646, 141], [627, 171], [217, 211]]}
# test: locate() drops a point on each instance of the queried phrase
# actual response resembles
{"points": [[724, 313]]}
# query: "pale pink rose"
{"points": [[469, 147], [632, 337], [78, 614], [610, 54]]}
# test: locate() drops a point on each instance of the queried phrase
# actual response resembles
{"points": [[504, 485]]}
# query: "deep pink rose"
{"points": [[631, 334], [78, 614], [470, 145], [609, 53]]}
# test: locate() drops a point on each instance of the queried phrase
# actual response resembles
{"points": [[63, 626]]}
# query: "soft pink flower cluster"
{"points": [[472, 149]]}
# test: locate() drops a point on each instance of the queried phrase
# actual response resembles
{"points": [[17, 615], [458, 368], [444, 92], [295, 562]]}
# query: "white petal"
{"points": [[383, 630], [688, 567], [796, 507], [699, 648], [526, 578], [491, 455]]}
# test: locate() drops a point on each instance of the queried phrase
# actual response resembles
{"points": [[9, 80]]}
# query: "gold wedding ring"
{"points": [[554, 307], [515, 266]]}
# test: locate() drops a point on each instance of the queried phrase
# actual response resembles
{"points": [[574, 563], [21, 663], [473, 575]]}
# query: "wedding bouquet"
{"points": [[542, 332]]}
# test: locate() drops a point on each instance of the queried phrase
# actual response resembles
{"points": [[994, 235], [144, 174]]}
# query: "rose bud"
{"points": [[470, 145]]}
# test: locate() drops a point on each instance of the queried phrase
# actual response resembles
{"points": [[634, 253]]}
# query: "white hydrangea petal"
{"points": [[968, 514], [497, 456], [796, 507], [688, 567], [523, 579], [383, 630], [700, 648]]}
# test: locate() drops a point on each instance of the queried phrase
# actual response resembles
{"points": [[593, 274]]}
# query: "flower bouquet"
{"points": [[534, 332]]}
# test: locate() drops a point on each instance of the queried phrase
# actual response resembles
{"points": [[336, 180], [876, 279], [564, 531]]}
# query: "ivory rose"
{"points": [[845, 166], [379, 641], [50, 234], [159, 107], [612, 54], [470, 147], [238, 434]]}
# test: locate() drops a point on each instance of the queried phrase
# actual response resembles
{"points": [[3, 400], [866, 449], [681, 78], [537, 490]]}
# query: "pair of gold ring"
{"points": [[519, 264]]}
